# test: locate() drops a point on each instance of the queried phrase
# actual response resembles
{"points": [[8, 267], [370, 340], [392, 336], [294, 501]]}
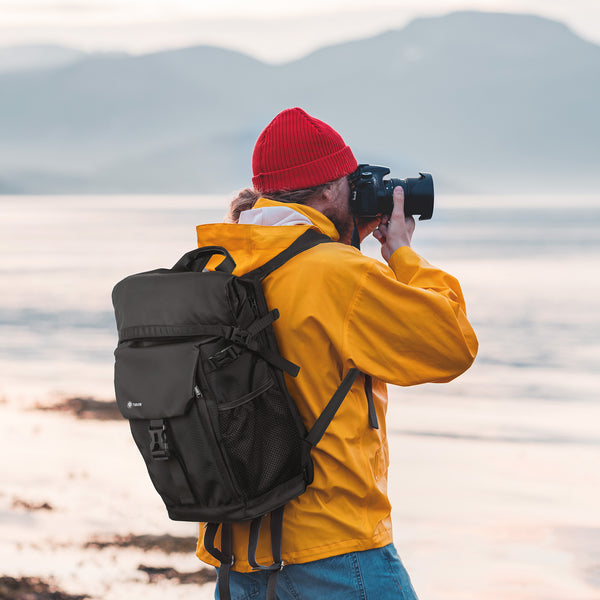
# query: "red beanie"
{"points": [[297, 151]]}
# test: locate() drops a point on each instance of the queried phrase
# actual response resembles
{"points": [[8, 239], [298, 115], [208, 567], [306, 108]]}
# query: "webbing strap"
{"points": [[373, 422], [262, 323], [160, 451], [210, 534], [253, 542], [230, 353], [246, 338], [159, 331], [224, 555], [275, 359], [321, 424], [225, 569], [225, 331], [276, 535], [272, 585], [307, 240]]}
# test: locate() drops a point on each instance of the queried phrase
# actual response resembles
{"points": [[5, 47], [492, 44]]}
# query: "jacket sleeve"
{"points": [[407, 323]]}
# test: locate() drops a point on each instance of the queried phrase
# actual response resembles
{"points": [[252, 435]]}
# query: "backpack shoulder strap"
{"points": [[307, 240], [321, 424]]}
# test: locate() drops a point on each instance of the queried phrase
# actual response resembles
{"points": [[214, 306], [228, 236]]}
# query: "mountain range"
{"points": [[486, 102]]}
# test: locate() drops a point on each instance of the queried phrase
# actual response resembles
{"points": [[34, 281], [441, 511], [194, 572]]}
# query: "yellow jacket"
{"points": [[403, 324]]}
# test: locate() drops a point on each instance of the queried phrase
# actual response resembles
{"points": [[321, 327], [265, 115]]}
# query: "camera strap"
{"points": [[355, 239]]}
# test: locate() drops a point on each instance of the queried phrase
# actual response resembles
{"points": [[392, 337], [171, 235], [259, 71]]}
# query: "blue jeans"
{"points": [[369, 575]]}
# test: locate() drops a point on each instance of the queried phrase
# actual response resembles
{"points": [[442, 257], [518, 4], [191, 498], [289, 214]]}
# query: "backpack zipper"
{"points": [[226, 474], [253, 305]]}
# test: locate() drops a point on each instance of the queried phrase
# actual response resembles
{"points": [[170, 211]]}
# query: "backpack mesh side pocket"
{"points": [[261, 440]]}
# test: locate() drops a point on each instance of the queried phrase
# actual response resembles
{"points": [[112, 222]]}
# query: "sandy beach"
{"points": [[483, 508], [74, 481]]}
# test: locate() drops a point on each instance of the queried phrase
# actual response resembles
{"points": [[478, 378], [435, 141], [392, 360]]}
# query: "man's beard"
{"points": [[343, 223], [344, 228]]}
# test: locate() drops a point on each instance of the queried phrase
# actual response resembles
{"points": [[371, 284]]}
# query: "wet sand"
{"points": [[484, 507]]}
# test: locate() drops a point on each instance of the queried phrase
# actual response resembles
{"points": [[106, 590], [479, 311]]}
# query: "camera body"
{"points": [[373, 196]]}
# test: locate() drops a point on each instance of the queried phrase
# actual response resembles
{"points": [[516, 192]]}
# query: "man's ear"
{"points": [[324, 199], [328, 192]]}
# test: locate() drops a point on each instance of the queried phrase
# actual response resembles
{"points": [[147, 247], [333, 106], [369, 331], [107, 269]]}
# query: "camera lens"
{"points": [[418, 195]]}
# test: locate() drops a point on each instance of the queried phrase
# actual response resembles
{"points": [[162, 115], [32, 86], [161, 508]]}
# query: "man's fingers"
{"points": [[398, 197]]}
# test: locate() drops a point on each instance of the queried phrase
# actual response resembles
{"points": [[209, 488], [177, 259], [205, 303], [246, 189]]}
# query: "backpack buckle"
{"points": [[240, 336], [159, 448], [223, 357]]}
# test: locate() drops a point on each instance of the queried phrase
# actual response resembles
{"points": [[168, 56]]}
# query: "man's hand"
{"points": [[366, 226], [395, 231]]}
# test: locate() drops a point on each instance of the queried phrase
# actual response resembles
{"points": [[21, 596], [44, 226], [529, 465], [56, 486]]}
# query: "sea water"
{"points": [[529, 268]]}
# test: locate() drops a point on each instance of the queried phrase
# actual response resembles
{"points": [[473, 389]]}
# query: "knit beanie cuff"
{"points": [[317, 172]]}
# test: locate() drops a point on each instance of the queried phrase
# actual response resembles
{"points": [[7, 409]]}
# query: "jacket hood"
{"points": [[252, 245]]}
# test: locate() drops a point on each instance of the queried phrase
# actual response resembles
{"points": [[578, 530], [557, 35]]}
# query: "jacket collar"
{"points": [[252, 245], [318, 219]]}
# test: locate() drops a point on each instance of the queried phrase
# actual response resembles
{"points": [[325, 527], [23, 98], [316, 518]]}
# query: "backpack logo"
{"points": [[133, 404]]}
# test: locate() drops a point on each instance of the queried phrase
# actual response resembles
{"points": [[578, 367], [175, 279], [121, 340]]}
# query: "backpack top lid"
{"points": [[166, 297]]}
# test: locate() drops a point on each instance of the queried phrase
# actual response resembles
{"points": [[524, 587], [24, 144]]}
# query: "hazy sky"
{"points": [[269, 29]]}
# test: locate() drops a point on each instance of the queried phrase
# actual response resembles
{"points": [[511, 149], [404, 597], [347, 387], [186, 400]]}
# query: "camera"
{"points": [[372, 195]]}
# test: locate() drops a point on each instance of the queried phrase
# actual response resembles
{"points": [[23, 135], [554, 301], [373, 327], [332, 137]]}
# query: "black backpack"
{"points": [[200, 378]]}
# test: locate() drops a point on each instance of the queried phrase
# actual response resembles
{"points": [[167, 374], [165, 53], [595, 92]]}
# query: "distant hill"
{"points": [[486, 102], [22, 58]]}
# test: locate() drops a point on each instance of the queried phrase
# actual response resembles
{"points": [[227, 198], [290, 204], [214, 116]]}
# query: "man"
{"points": [[402, 323]]}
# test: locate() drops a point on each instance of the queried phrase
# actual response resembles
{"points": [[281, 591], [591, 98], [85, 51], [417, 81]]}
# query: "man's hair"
{"points": [[247, 198]]}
